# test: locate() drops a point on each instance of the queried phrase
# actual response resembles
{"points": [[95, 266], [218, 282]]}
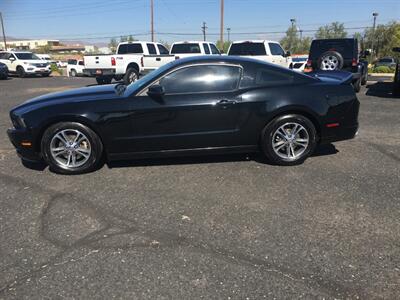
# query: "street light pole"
{"points": [[203, 28], [221, 33], [152, 20], [4, 35], [375, 14]]}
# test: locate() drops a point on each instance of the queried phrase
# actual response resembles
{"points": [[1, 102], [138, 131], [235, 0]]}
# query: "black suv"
{"points": [[339, 54]]}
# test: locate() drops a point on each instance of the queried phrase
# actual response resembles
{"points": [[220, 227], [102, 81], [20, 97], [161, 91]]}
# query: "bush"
{"points": [[382, 69], [54, 68]]}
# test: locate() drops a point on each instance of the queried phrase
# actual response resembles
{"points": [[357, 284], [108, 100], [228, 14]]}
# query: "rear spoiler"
{"points": [[342, 77]]}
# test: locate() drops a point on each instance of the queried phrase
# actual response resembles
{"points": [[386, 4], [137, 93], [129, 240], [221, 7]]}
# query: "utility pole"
{"points": [[375, 14], [4, 35], [152, 20], [203, 29], [301, 34], [229, 33], [221, 33]]}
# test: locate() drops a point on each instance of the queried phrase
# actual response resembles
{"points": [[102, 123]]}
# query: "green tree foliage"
{"points": [[384, 39], [43, 49], [293, 43], [331, 31], [113, 45], [225, 47]]}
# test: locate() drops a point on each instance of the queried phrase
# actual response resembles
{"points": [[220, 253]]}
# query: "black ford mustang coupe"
{"points": [[190, 106]]}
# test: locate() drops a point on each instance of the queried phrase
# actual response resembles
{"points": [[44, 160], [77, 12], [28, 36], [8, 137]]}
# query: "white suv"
{"points": [[193, 48], [24, 63]]}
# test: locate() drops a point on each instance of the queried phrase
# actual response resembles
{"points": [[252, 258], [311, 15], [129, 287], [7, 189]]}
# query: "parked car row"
{"points": [[24, 63]]}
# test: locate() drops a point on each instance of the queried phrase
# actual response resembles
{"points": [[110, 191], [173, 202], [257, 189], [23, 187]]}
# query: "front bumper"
{"points": [[34, 70], [19, 136]]}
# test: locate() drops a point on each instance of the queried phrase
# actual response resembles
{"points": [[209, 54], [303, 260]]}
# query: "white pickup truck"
{"points": [[268, 51], [193, 48], [131, 60]]}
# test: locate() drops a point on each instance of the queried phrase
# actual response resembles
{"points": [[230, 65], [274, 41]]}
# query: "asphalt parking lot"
{"points": [[221, 227]]}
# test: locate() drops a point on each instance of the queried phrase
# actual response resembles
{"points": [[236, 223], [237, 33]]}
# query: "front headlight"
{"points": [[18, 122]]}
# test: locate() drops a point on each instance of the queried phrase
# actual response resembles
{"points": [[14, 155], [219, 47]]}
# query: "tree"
{"points": [[225, 47], [331, 31], [131, 38], [293, 43], [165, 43], [384, 39], [113, 45]]}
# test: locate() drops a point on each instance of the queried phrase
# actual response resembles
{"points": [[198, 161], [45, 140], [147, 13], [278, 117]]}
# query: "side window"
{"points": [[134, 48], [206, 48], [151, 48], [2, 55], [122, 49], [162, 49], [72, 61], [214, 49], [276, 49], [272, 77], [81, 63], [202, 78]]}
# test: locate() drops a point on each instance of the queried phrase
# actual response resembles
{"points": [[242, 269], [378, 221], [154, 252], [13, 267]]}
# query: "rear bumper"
{"points": [[99, 72], [341, 134], [17, 136]]}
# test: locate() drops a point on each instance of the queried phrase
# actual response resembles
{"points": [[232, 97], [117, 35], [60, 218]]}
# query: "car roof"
{"points": [[254, 41], [137, 42], [191, 42]]}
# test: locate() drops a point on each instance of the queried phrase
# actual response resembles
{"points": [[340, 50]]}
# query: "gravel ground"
{"points": [[220, 227]]}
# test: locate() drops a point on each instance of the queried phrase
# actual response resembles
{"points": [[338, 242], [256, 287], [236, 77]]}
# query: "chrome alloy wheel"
{"points": [[132, 77], [329, 63], [70, 148], [290, 141]]}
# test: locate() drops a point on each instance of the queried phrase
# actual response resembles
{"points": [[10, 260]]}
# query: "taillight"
{"points": [[141, 62], [113, 61], [354, 62], [309, 63], [308, 66]]}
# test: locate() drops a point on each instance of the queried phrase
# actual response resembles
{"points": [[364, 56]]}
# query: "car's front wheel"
{"points": [[21, 72], [71, 148], [289, 139]]}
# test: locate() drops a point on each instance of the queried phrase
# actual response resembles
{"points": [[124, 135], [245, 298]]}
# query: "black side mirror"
{"points": [[287, 54], [156, 90]]}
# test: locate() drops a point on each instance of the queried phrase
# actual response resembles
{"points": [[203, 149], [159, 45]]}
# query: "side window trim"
{"points": [[143, 92]]}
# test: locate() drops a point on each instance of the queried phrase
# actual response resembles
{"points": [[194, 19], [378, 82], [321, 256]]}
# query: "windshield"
{"points": [[185, 48], [149, 77], [26, 56]]}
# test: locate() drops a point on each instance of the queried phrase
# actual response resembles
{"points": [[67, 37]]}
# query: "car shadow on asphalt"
{"points": [[382, 90], [321, 150]]}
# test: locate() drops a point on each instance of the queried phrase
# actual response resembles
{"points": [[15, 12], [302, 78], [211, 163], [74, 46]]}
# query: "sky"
{"points": [[94, 21]]}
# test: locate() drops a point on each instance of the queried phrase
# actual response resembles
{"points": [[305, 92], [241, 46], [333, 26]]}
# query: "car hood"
{"points": [[98, 92]]}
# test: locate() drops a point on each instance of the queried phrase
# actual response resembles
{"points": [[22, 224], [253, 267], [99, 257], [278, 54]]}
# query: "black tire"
{"points": [[328, 56], [269, 134], [103, 80], [21, 72], [73, 73], [131, 75], [93, 143], [357, 85], [364, 79]]}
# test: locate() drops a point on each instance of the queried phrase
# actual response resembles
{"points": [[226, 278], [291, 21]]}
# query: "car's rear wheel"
{"points": [[103, 80], [131, 75], [289, 139], [71, 148], [21, 72], [357, 85]]}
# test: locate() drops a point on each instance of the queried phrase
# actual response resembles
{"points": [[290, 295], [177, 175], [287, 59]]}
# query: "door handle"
{"points": [[158, 58], [224, 102]]}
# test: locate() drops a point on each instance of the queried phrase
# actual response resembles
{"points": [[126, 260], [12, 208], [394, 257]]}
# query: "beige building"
{"points": [[32, 44]]}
